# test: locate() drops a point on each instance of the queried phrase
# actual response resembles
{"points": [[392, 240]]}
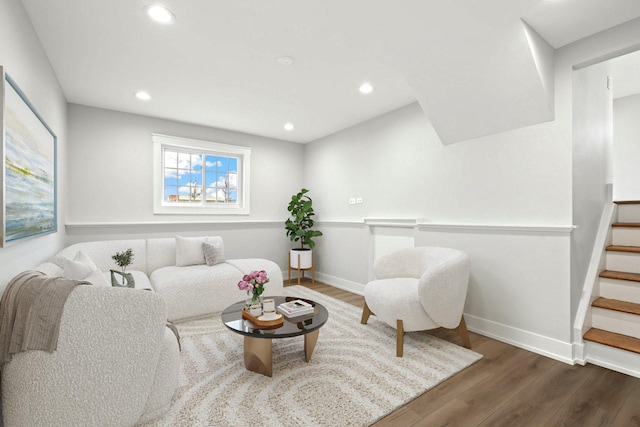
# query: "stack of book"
{"points": [[295, 308]]}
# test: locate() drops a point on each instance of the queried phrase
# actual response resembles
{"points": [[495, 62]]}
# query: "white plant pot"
{"points": [[306, 258]]}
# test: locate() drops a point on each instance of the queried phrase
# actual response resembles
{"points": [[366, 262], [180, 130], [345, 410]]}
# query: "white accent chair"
{"points": [[418, 289]]}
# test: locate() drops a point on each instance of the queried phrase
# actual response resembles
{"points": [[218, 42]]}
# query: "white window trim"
{"points": [[244, 168]]}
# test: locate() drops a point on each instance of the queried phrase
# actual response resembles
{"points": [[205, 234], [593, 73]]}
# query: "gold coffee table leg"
{"points": [[257, 355], [310, 341]]}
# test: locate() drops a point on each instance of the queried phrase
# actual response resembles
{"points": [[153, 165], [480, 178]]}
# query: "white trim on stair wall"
{"points": [[596, 265]]}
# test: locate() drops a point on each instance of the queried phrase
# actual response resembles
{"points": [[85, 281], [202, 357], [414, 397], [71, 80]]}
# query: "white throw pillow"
{"points": [[213, 251], [50, 269], [58, 260], [97, 278], [81, 267], [189, 251]]}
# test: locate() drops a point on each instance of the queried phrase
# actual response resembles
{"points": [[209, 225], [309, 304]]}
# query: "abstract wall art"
{"points": [[29, 168]]}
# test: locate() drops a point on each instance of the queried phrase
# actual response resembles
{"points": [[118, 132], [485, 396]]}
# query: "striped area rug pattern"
{"points": [[353, 378]]}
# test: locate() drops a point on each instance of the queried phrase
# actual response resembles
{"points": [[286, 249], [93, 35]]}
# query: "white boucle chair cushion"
{"points": [[443, 289], [425, 287], [402, 263], [397, 299]]}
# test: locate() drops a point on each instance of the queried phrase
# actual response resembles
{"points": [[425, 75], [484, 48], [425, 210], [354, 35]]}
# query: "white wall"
{"points": [[626, 148], [592, 140], [25, 61], [507, 199], [518, 290], [111, 184], [518, 179], [397, 164]]}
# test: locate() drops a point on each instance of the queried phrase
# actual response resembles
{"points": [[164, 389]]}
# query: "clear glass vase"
{"points": [[253, 299]]}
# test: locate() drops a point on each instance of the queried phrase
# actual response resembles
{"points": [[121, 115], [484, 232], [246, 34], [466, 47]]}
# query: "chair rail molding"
{"points": [[107, 224], [393, 222], [499, 228]]}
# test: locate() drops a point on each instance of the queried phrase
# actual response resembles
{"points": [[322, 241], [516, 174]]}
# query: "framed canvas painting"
{"points": [[29, 167]]}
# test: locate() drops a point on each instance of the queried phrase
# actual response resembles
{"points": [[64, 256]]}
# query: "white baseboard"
{"points": [[337, 282], [549, 347], [580, 353]]}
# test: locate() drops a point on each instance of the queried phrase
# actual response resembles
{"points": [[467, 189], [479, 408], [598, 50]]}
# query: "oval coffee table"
{"points": [[258, 342]]}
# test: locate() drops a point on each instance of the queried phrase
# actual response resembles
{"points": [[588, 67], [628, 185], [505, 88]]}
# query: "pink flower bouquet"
{"points": [[254, 283]]}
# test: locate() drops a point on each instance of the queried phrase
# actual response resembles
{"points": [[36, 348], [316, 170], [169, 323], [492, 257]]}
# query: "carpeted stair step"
{"points": [[620, 275], [612, 339], [617, 305]]}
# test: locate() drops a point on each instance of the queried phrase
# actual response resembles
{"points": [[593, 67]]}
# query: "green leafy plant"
{"points": [[123, 259], [300, 226]]}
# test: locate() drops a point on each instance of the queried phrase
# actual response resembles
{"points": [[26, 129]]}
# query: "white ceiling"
{"points": [[217, 66]]}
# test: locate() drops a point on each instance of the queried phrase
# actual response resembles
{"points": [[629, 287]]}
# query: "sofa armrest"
{"points": [[103, 369]]}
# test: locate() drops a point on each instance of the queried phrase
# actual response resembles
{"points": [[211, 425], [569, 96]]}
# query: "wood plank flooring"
{"points": [[515, 387]]}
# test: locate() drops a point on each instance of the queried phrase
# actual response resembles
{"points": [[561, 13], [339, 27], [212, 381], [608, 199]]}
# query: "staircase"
{"points": [[614, 338]]}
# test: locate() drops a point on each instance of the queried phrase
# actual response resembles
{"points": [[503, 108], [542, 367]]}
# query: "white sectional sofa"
{"points": [[117, 363], [167, 265]]}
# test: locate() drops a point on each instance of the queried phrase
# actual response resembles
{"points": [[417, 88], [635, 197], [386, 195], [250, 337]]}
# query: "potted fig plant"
{"points": [[122, 259], [300, 229]]}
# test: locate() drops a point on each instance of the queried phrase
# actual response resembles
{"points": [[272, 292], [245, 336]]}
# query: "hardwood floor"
{"points": [[514, 387]]}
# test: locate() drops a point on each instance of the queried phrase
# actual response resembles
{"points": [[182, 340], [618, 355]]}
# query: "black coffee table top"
{"points": [[291, 327]]}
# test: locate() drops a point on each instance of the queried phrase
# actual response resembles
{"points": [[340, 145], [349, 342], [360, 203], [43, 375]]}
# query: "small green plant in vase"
{"points": [[122, 278], [300, 229]]}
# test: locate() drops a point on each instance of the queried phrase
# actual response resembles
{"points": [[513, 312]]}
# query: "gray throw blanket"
{"points": [[30, 312]]}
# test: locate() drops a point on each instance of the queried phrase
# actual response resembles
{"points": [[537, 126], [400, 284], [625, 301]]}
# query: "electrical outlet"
{"points": [[352, 201], [359, 200]]}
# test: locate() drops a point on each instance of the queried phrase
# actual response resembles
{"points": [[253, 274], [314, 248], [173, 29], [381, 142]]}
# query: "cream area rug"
{"points": [[353, 378]]}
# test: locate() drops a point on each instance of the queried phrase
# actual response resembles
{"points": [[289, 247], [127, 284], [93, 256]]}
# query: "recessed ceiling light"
{"points": [[288, 126], [160, 14], [366, 88], [142, 95], [285, 60]]}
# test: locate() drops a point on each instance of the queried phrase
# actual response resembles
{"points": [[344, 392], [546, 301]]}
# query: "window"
{"points": [[200, 177]]}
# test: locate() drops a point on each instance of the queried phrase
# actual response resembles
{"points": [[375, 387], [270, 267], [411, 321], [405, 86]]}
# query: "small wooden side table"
{"points": [[312, 269]]}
